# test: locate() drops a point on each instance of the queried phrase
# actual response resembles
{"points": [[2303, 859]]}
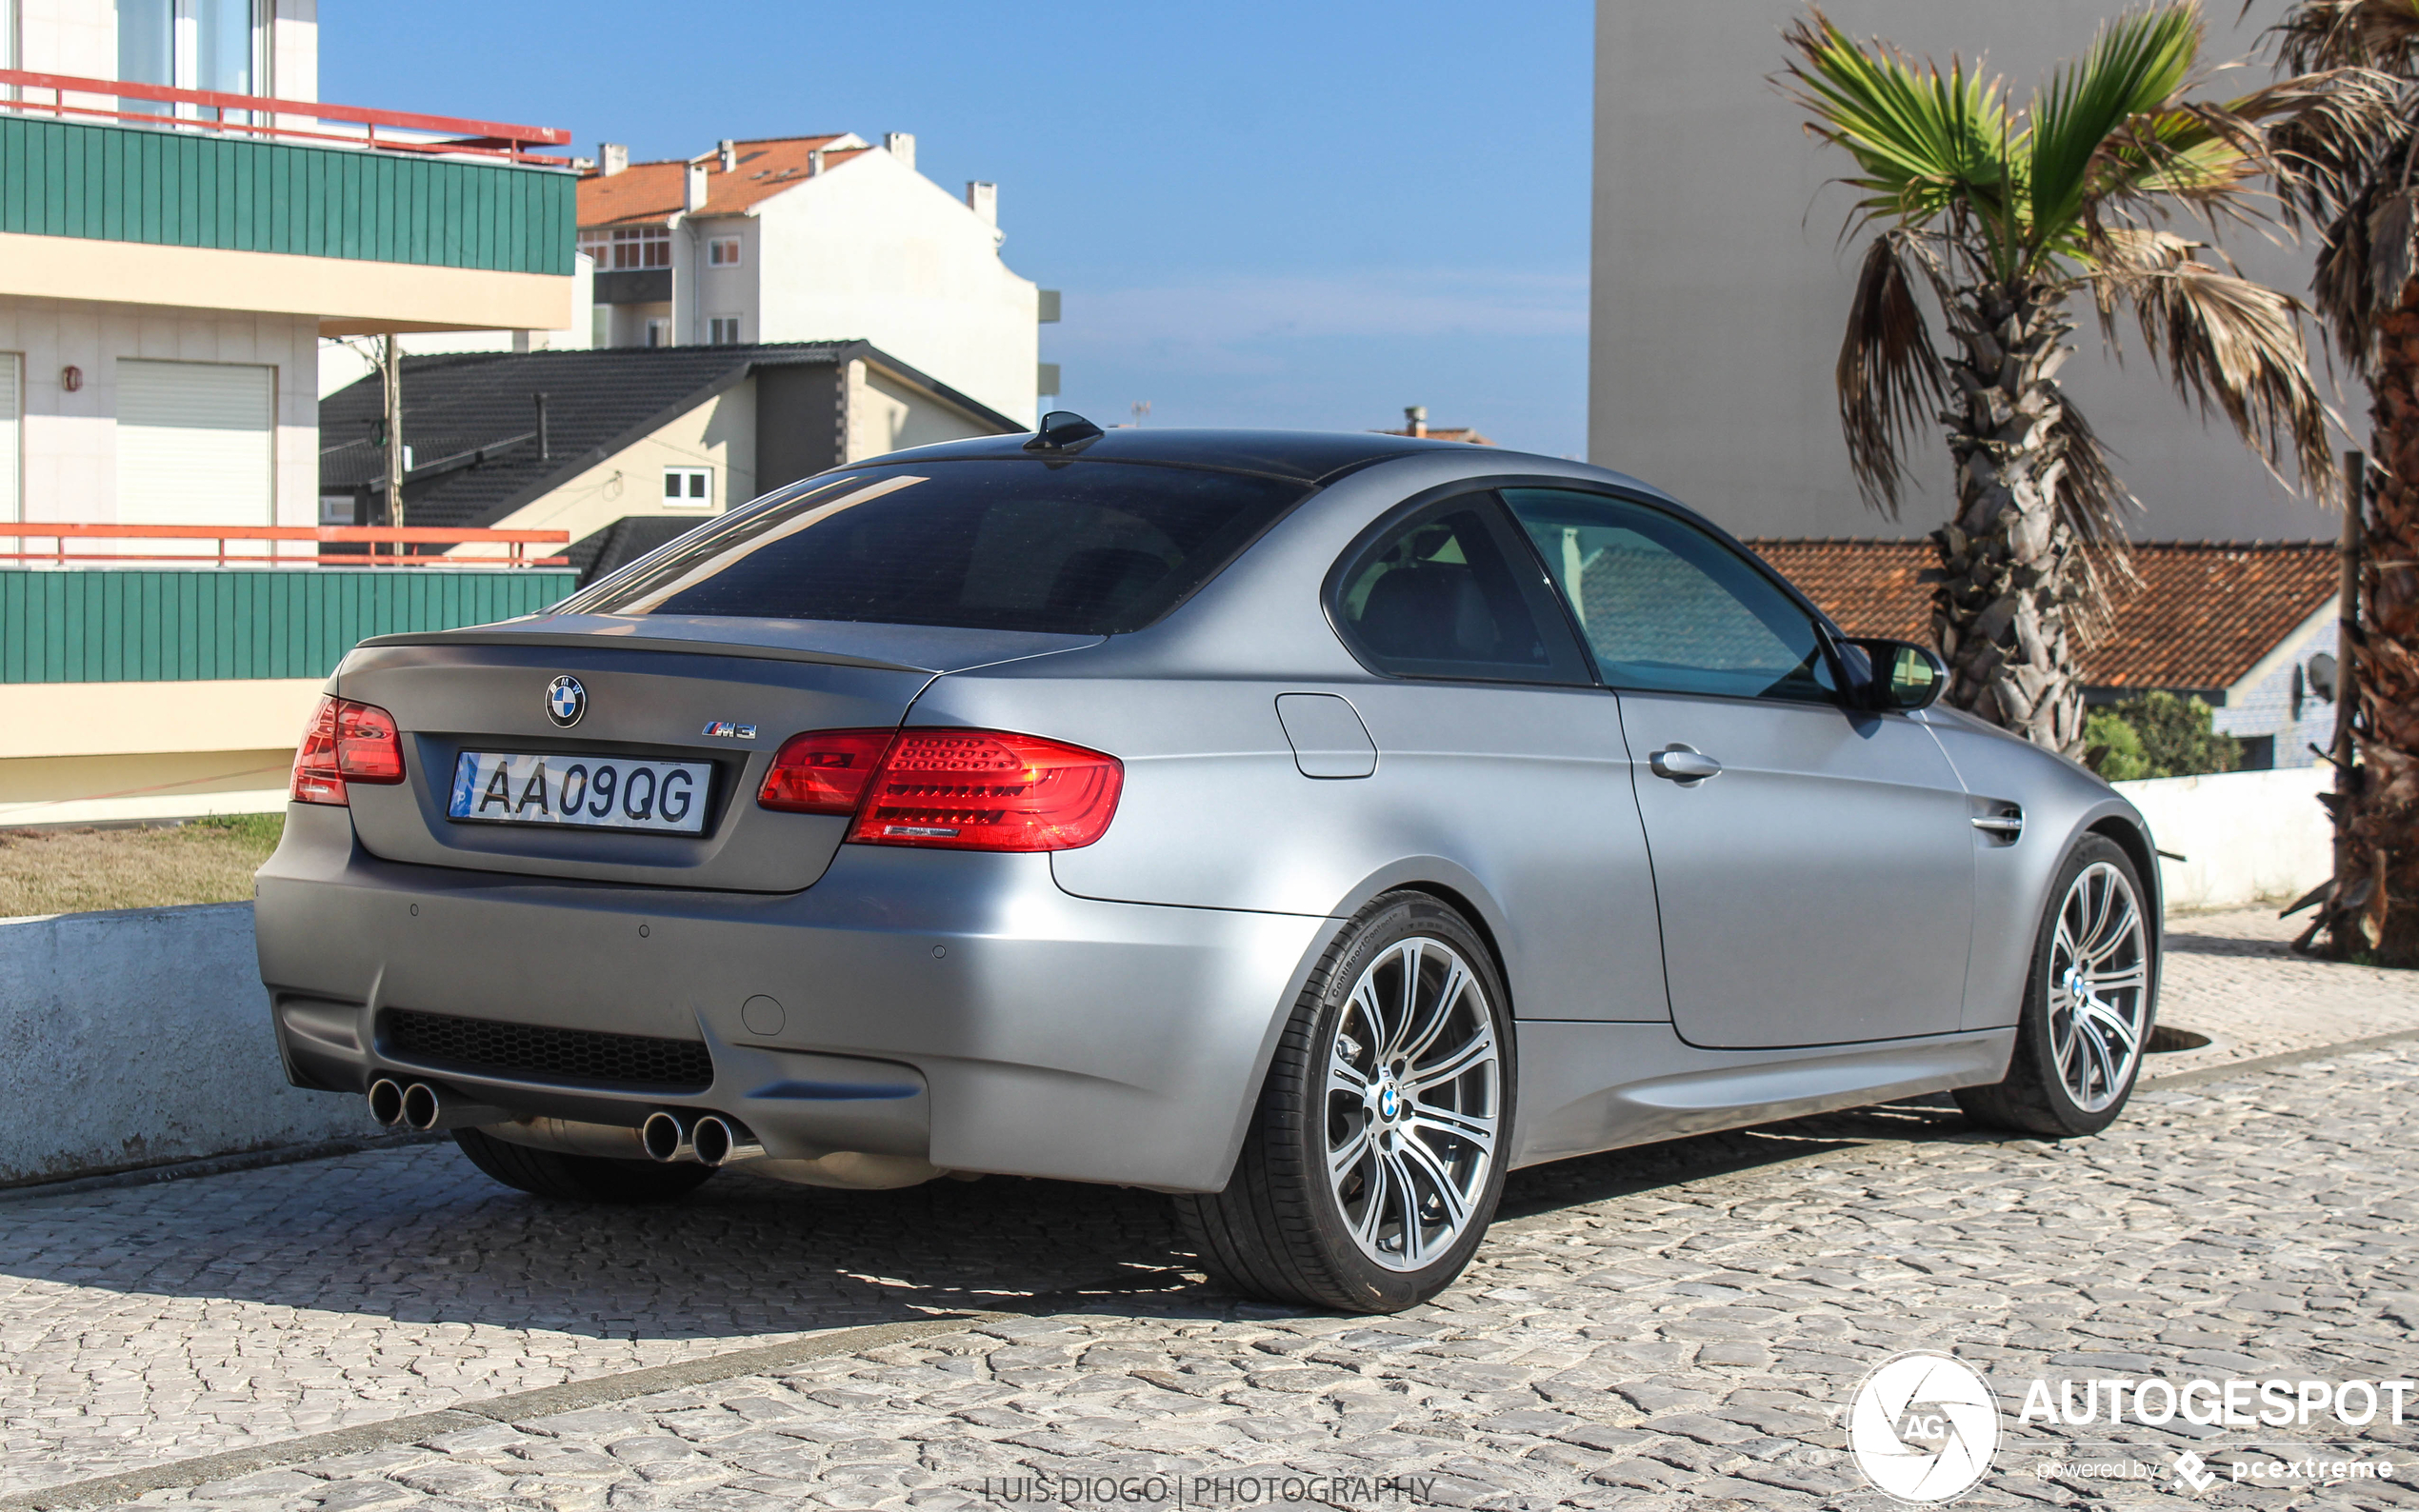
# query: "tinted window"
{"points": [[1075, 547], [1450, 593], [1665, 606]]}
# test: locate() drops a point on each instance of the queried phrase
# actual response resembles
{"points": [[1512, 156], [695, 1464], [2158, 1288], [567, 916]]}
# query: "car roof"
{"points": [[1305, 456]]}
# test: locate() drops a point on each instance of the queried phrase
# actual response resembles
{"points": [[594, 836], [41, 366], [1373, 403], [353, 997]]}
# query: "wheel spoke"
{"points": [[1479, 1047], [1449, 1196], [1478, 1131], [1440, 1013], [2123, 979], [2112, 1024], [1406, 1202], [1341, 1160], [1401, 1031], [1342, 1075]]}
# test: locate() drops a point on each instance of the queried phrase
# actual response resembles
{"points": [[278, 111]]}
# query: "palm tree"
{"points": [[2007, 216], [2352, 172]]}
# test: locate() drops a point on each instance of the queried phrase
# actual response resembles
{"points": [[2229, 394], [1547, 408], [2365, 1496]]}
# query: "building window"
{"points": [[221, 46], [723, 252], [689, 488], [625, 248], [11, 431], [722, 331], [659, 331]]}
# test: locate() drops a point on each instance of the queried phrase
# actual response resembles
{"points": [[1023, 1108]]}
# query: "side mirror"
{"points": [[1902, 675]]}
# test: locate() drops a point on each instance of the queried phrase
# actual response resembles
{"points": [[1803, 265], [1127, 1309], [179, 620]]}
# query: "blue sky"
{"points": [[1303, 215]]}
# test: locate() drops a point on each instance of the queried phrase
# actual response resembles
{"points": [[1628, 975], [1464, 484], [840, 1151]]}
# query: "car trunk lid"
{"points": [[720, 692]]}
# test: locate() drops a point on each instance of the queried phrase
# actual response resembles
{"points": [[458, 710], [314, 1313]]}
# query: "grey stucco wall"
{"points": [[1720, 289], [134, 1039]]}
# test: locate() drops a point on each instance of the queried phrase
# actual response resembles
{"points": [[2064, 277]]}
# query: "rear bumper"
{"points": [[959, 1008]]}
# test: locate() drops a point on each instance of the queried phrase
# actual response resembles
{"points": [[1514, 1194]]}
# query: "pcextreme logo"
{"points": [[1923, 1427]]}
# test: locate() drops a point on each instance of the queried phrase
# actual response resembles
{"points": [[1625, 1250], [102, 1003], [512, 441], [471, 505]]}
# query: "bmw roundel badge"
{"points": [[566, 701]]}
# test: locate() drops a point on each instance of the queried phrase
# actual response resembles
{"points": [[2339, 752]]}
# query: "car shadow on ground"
{"points": [[417, 1236]]}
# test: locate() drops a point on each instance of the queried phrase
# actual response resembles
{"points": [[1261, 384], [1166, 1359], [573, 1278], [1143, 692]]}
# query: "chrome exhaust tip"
{"points": [[668, 1138], [386, 1101], [719, 1141], [422, 1107]]}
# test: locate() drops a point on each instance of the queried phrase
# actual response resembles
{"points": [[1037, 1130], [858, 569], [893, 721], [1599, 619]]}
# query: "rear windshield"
{"points": [[1073, 547]]}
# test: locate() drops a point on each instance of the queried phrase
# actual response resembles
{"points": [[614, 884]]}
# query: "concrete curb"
{"points": [[2270, 1062], [212, 1165], [546, 1401]]}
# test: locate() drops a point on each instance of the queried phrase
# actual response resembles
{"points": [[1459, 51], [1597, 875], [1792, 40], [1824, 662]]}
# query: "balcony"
{"points": [[373, 220]]}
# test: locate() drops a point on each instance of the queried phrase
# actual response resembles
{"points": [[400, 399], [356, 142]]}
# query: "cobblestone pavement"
{"points": [[1683, 1321], [2231, 975]]}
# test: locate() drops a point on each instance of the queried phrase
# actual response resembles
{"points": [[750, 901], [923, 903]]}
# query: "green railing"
{"points": [[180, 188], [188, 625]]}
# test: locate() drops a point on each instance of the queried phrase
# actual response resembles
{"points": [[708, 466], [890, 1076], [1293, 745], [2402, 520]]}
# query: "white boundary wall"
{"points": [[2245, 837], [138, 1038]]}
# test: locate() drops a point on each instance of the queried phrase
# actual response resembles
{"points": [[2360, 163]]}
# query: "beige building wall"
{"points": [[874, 250], [70, 437], [720, 434], [1720, 288], [887, 413]]}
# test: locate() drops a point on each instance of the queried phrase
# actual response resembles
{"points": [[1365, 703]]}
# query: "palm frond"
{"points": [[2345, 33], [2135, 68], [1922, 139], [2230, 345], [1890, 378]]}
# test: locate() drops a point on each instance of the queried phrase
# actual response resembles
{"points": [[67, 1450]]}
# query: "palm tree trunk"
{"points": [[2010, 566], [2376, 907]]}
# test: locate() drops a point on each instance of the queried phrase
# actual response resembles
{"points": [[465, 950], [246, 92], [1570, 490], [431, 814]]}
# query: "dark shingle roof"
{"points": [[2202, 616], [470, 417]]}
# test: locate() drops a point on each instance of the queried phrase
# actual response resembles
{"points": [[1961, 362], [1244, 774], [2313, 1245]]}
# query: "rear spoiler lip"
{"points": [[626, 635]]}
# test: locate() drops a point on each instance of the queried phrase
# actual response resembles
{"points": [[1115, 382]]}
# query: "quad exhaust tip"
{"points": [[424, 1108], [386, 1101], [719, 1142], [668, 1138]]}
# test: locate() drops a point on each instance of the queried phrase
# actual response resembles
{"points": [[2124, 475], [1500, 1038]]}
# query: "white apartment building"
{"points": [[813, 238], [169, 261]]}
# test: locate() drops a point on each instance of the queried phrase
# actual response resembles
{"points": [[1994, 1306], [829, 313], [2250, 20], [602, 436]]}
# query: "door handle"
{"points": [[1684, 764]]}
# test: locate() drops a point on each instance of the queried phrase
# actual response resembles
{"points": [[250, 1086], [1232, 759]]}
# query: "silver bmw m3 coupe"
{"points": [[1314, 828]]}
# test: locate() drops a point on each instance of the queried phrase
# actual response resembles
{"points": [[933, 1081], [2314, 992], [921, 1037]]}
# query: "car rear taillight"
{"points": [[959, 789], [823, 771], [345, 743]]}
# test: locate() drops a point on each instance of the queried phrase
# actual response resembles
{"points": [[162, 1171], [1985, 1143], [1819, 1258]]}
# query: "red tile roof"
{"points": [[2202, 616], [648, 193]]}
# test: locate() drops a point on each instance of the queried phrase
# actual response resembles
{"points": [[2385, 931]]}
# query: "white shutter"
{"points": [[11, 436], [195, 443]]}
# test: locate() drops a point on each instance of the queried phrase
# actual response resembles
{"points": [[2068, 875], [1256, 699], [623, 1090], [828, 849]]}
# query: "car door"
{"points": [[1813, 862], [1498, 752]]}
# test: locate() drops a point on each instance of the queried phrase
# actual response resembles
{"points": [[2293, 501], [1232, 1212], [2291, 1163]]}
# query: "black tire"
{"points": [[2034, 1098], [1279, 1230], [579, 1177]]}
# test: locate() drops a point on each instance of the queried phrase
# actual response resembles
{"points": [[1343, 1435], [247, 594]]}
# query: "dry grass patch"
{"points": [[82, 870]]}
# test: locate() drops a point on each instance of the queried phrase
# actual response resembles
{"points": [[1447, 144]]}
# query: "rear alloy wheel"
{"points": [[579, 1177], [1375, 1158], [2088, 1006]]}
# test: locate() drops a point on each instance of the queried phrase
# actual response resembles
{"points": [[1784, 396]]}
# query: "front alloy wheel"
{"points": [[1374, 1160]]}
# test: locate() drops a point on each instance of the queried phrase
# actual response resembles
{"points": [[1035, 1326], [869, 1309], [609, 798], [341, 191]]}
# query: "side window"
{"points": [[1665, 606], [1450, 592]]}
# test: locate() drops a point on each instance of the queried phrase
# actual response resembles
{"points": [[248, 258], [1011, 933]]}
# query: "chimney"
{"points": [[984, 200], [900, 145], [611, 158], [815, 161], [728, 152], [695, 197], [1415, 420]]}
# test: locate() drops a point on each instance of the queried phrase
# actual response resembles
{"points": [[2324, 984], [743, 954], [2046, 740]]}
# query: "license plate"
{"points": [[594, 792]]}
